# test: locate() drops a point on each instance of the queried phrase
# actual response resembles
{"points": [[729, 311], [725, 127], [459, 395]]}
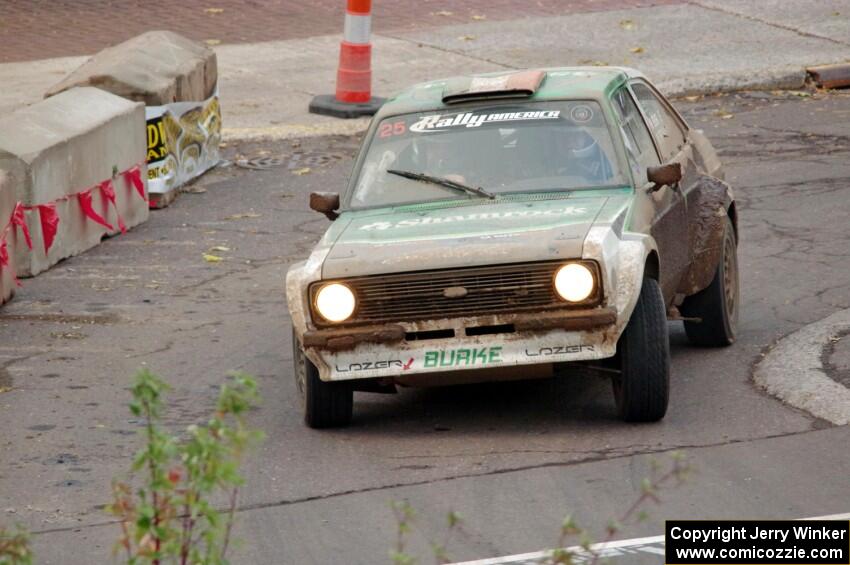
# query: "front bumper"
{"points": [[394, 350], [536, 338]]}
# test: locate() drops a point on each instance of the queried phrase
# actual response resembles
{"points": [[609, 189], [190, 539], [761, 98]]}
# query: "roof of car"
{"points": [[583, 83]]}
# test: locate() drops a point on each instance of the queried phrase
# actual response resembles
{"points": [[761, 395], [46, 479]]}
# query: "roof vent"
{"points": [[515, 85]]}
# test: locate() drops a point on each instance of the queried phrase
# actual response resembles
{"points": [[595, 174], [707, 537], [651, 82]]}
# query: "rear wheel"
{"points": [[325, 404], [717, 305], [641, 388]]}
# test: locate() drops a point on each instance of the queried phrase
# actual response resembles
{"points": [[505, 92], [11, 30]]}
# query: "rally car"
{"points": [[496, 226]]}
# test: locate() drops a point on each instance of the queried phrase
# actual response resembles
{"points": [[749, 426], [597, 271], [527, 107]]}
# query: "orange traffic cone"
{"points": [[353, 96]]}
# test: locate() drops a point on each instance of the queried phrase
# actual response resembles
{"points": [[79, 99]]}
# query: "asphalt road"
{"points": [[512, 458]]}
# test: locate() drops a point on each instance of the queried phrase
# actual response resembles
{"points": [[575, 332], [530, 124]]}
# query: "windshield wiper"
{"points": [[440, 181]]}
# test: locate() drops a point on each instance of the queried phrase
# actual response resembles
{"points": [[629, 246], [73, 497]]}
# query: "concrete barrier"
{"points": [[177, 79], [157, 68], [8, 237], [76, 158]]}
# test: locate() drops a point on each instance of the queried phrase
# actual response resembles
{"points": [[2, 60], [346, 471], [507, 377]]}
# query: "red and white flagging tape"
{"points": [[50, 218]]}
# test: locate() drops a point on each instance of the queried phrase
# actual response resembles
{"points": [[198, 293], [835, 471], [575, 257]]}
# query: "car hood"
{"points": [[471, 233]]}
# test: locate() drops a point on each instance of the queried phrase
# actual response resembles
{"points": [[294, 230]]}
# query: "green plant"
{"points": [[584, 549], [171, 517], [405, 516], [651, 487], [14, 547]]}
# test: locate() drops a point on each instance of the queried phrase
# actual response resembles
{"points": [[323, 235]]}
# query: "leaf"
{"points": [[212, 41], [221, 248], [209, 258], [636, 50], [479, 17], [243, 215], [467, 38], [214, 10], [627, 24], [569, 527], [443, 13], [301, 172]]}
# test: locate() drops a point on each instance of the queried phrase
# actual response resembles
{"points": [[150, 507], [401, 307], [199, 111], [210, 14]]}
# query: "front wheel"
{"points": [[325, 404], [716, 306], [642, 386]]}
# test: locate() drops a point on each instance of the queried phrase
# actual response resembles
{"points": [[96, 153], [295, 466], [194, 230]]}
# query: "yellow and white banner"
{"points": [[183, 140]]}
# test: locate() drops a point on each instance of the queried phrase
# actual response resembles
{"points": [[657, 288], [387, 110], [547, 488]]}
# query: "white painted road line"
{"points": [[793, 371], [609, 550]]}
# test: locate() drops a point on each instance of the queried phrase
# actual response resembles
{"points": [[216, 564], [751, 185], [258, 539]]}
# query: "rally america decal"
{"points": [[440, 122], [413, 222]]}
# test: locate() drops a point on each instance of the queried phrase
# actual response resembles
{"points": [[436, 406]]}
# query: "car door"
{"points": [[668, 225], [674, 144]]}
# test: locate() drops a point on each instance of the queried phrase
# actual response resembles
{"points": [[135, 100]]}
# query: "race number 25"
{"points": [[390, 129]]}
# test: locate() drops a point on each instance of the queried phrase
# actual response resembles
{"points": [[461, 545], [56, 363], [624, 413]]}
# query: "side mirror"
{"points": [[326, 203], [668, 174]]}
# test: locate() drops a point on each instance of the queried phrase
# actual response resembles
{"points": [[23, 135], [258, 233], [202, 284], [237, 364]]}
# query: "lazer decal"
{"points": [[470, 120], [567, 211], [558, 350], [464, 357], [375, 365]]}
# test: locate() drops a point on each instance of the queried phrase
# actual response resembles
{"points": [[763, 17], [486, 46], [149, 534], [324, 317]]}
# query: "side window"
{"points": [[639, 146], [668, 133]]}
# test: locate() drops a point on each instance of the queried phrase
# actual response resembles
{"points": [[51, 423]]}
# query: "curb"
{"points": [[781, 79], [793, 371], [295, 131]]}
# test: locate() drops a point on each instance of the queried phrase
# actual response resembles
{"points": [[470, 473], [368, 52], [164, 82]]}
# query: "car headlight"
{"points": [[574, 282], [335, 302]]}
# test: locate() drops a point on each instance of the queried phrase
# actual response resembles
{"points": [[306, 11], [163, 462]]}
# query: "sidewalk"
{"points": [[699, 46], [41, 30]]}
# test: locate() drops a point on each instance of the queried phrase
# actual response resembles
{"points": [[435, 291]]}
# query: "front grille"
{"points": [[489, 290]]}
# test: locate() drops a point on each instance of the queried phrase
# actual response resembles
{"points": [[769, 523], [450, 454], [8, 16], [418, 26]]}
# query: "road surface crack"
{"points": [[450, 51], [401, 484], [776, 25]]}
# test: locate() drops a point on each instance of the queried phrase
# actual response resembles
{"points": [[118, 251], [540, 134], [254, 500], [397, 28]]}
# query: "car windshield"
{"points": [[529, 147]]}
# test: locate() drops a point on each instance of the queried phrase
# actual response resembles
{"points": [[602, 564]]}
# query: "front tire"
{"points": [[642, 387], [325, 404], [717, 304]]}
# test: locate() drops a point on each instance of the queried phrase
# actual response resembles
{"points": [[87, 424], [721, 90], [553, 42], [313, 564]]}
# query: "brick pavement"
{"points": [[40, 29]]}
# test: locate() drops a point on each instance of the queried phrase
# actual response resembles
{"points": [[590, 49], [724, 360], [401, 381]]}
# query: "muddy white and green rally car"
{"points": [[496, 226]]}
